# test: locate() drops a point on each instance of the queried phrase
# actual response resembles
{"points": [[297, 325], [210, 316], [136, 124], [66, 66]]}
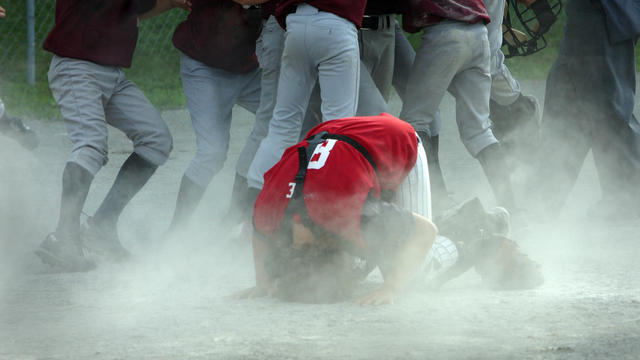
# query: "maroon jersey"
{"points": [[352, 10], [421, 13], [220, 34], [339, 179], [100, 31]]}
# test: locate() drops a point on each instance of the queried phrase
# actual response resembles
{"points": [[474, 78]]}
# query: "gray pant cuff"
{"points": [[478, 143]]}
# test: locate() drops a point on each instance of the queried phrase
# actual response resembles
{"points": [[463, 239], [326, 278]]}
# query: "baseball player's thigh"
{"points": [[297, 79], [132, 113], [211, 94], [79, 90], [269, 51], [250, 98], [377, 55], [333, 44], [404, 56], [370, 101], [442, 54], [471, 88], [414, 193]]}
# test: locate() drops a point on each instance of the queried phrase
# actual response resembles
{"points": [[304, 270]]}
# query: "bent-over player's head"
{"points": [[309, 265]]}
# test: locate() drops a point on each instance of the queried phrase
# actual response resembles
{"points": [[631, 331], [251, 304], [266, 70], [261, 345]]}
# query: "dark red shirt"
{"points": [[352, 10], [339, 179], [101, 31], [220, 34], [421, 13]]}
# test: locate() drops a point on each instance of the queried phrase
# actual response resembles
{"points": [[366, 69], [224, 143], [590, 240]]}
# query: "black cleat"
{"points": [[14, 128], [64, 254], [104, 241]]}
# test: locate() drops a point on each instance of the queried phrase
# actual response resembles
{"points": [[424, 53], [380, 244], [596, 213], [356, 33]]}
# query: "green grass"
{"points": [[157, 74]]}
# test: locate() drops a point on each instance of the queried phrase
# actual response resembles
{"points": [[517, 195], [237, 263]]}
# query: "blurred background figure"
{"points": [[13, 127], [589, 106]]}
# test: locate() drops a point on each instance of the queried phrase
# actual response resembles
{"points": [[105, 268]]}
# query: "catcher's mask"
{"points": [[523, 27]]}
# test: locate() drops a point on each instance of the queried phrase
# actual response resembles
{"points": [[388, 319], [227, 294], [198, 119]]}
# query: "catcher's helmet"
{"points": [[523, 27]]}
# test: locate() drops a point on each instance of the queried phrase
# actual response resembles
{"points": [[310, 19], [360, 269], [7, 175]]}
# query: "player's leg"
{"points": [[415, 191], [210, 96], [297, 79], [131, 112], [269, 48], [333, 46], [439, 58], [515, 116], [377, 51], [470, 87], [404, 56], [79, 88]]}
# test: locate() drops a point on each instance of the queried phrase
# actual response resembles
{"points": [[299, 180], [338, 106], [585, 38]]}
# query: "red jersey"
{"points": [[339, 178], [352, 10], [219, 34], [103, 32], [421, 13]]}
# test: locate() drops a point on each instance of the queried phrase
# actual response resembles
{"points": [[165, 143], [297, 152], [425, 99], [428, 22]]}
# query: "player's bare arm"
{"points": [[264, 284], [3, 12], [408, 261], [166, 5]]}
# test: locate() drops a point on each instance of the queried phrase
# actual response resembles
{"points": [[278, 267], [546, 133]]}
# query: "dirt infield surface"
{"points": [[170, 301]]}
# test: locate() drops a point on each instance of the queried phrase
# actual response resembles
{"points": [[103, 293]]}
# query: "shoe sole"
{"points": [[53, 260]]}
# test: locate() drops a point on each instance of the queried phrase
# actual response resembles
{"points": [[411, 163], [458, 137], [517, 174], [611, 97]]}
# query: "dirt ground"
{"points": [[170, 301]]}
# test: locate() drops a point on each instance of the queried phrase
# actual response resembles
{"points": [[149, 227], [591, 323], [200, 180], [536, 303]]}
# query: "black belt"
{"points": [[376, 22]]}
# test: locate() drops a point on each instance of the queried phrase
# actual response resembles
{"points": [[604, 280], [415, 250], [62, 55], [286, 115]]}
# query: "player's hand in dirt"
{"points": [[3, 12], [381, 296], [251, 293]]}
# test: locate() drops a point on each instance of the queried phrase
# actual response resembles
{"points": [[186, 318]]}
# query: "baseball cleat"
{"points": [[104, 242], [64, 254]]}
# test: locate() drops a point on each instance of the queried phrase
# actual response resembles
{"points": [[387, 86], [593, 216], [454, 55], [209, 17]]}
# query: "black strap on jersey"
{"points": [[297, 204]]}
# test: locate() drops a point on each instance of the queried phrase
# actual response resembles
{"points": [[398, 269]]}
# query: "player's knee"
{"points": [[155, 145], [90, 157]]}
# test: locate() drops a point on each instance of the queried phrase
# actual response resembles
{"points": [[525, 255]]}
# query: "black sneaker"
{"points": [[16, 129], [104, 241], [64, 254]]}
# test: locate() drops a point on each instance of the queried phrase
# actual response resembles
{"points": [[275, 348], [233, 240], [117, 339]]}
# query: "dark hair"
{"points": [[315, 273]]}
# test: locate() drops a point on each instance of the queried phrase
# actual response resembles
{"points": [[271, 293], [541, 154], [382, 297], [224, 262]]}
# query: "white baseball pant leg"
{"points": [[211, 94], [92, 96], [269, 51], [504, 88], [453, 56]]}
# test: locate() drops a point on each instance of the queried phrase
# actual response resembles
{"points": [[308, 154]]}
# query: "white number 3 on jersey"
{"points": [[321, 154]]}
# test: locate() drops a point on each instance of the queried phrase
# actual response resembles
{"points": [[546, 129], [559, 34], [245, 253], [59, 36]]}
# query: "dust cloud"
{"points": [[171, 301]]}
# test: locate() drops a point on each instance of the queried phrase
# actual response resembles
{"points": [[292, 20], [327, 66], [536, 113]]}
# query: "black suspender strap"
{"points": [[356, 145]]}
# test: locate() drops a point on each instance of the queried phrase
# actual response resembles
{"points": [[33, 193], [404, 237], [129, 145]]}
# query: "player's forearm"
{"points": [[260, 251], [411, 255]]}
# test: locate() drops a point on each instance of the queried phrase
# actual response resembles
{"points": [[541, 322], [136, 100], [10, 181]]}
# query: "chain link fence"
{"points": [[154, 49]]}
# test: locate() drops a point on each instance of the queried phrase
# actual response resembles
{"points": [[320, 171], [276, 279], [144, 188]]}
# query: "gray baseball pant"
{"points": [[90, 96], [211, 94], [504, 88], [319, 46], [454, 56], [269, 51]]}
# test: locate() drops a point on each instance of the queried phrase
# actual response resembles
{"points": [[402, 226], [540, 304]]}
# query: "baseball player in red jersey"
{"points": [[329, 196]]}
